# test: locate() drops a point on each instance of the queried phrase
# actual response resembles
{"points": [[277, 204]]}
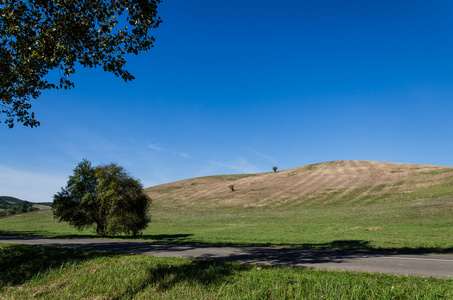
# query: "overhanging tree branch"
{"points": [[37, 36]]}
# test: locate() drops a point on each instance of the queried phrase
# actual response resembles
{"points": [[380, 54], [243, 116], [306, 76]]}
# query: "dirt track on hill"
{"points": [[42, 207]]}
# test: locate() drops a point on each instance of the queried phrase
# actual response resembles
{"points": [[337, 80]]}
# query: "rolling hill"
{"points": [[11, 206], [11, 200], [333, 183]]}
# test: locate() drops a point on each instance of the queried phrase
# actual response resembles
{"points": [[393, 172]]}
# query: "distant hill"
{"points": [[11, 206], [7, 199], [325, 184], [10, 200]]}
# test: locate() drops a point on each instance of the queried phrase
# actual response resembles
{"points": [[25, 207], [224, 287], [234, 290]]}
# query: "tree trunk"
{"points": [[100, 229]]}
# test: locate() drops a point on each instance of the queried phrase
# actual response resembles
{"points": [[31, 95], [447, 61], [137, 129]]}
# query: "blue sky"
{"points": [[241, 86]]}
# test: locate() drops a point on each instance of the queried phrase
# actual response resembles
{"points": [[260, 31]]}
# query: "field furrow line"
{"points": [[353, 179], [346, 175], [300, 187]]}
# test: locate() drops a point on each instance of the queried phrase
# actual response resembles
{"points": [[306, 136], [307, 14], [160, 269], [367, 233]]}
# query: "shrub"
{"points": [[106, 197]]}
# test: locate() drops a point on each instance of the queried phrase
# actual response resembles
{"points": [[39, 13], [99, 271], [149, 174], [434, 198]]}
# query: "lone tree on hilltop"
{"points": [[231, 186], [275, 169], [106, 197], [38, 36]]}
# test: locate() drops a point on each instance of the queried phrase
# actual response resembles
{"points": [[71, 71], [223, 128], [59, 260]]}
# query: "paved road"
{"points": [[438, 265]]}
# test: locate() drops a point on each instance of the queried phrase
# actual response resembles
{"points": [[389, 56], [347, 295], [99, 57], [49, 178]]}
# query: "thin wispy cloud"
{"points": [[262, 155], [240, 165], [159, 148], [155, 147], [185, 155], [94, 146]]}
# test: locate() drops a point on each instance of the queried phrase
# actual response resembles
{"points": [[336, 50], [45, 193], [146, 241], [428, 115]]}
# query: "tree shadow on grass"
{"points": [[19, 263], [173, 238], [365, 245], [336, 244], [191, 239], [44, 233], [203, 273]]}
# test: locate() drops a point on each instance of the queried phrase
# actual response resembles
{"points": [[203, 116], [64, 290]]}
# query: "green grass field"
{"points": [[32, 272], [403, 226]]}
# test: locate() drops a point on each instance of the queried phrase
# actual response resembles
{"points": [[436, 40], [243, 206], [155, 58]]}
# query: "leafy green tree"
{"points": [[106, 197], [37, 36]]}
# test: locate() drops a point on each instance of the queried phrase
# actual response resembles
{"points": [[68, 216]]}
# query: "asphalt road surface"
{"points": [[437, 265]]}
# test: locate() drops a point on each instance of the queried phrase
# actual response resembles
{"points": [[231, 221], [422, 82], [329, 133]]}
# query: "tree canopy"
{"points": [[104, 196], [37, 36]]}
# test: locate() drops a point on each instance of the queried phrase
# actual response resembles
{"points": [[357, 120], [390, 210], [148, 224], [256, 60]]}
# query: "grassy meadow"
{"points": [[33, 272], [386, 227]]}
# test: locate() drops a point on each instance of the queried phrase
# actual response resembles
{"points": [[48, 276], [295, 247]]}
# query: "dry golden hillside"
{"points": [[326, 183]]}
